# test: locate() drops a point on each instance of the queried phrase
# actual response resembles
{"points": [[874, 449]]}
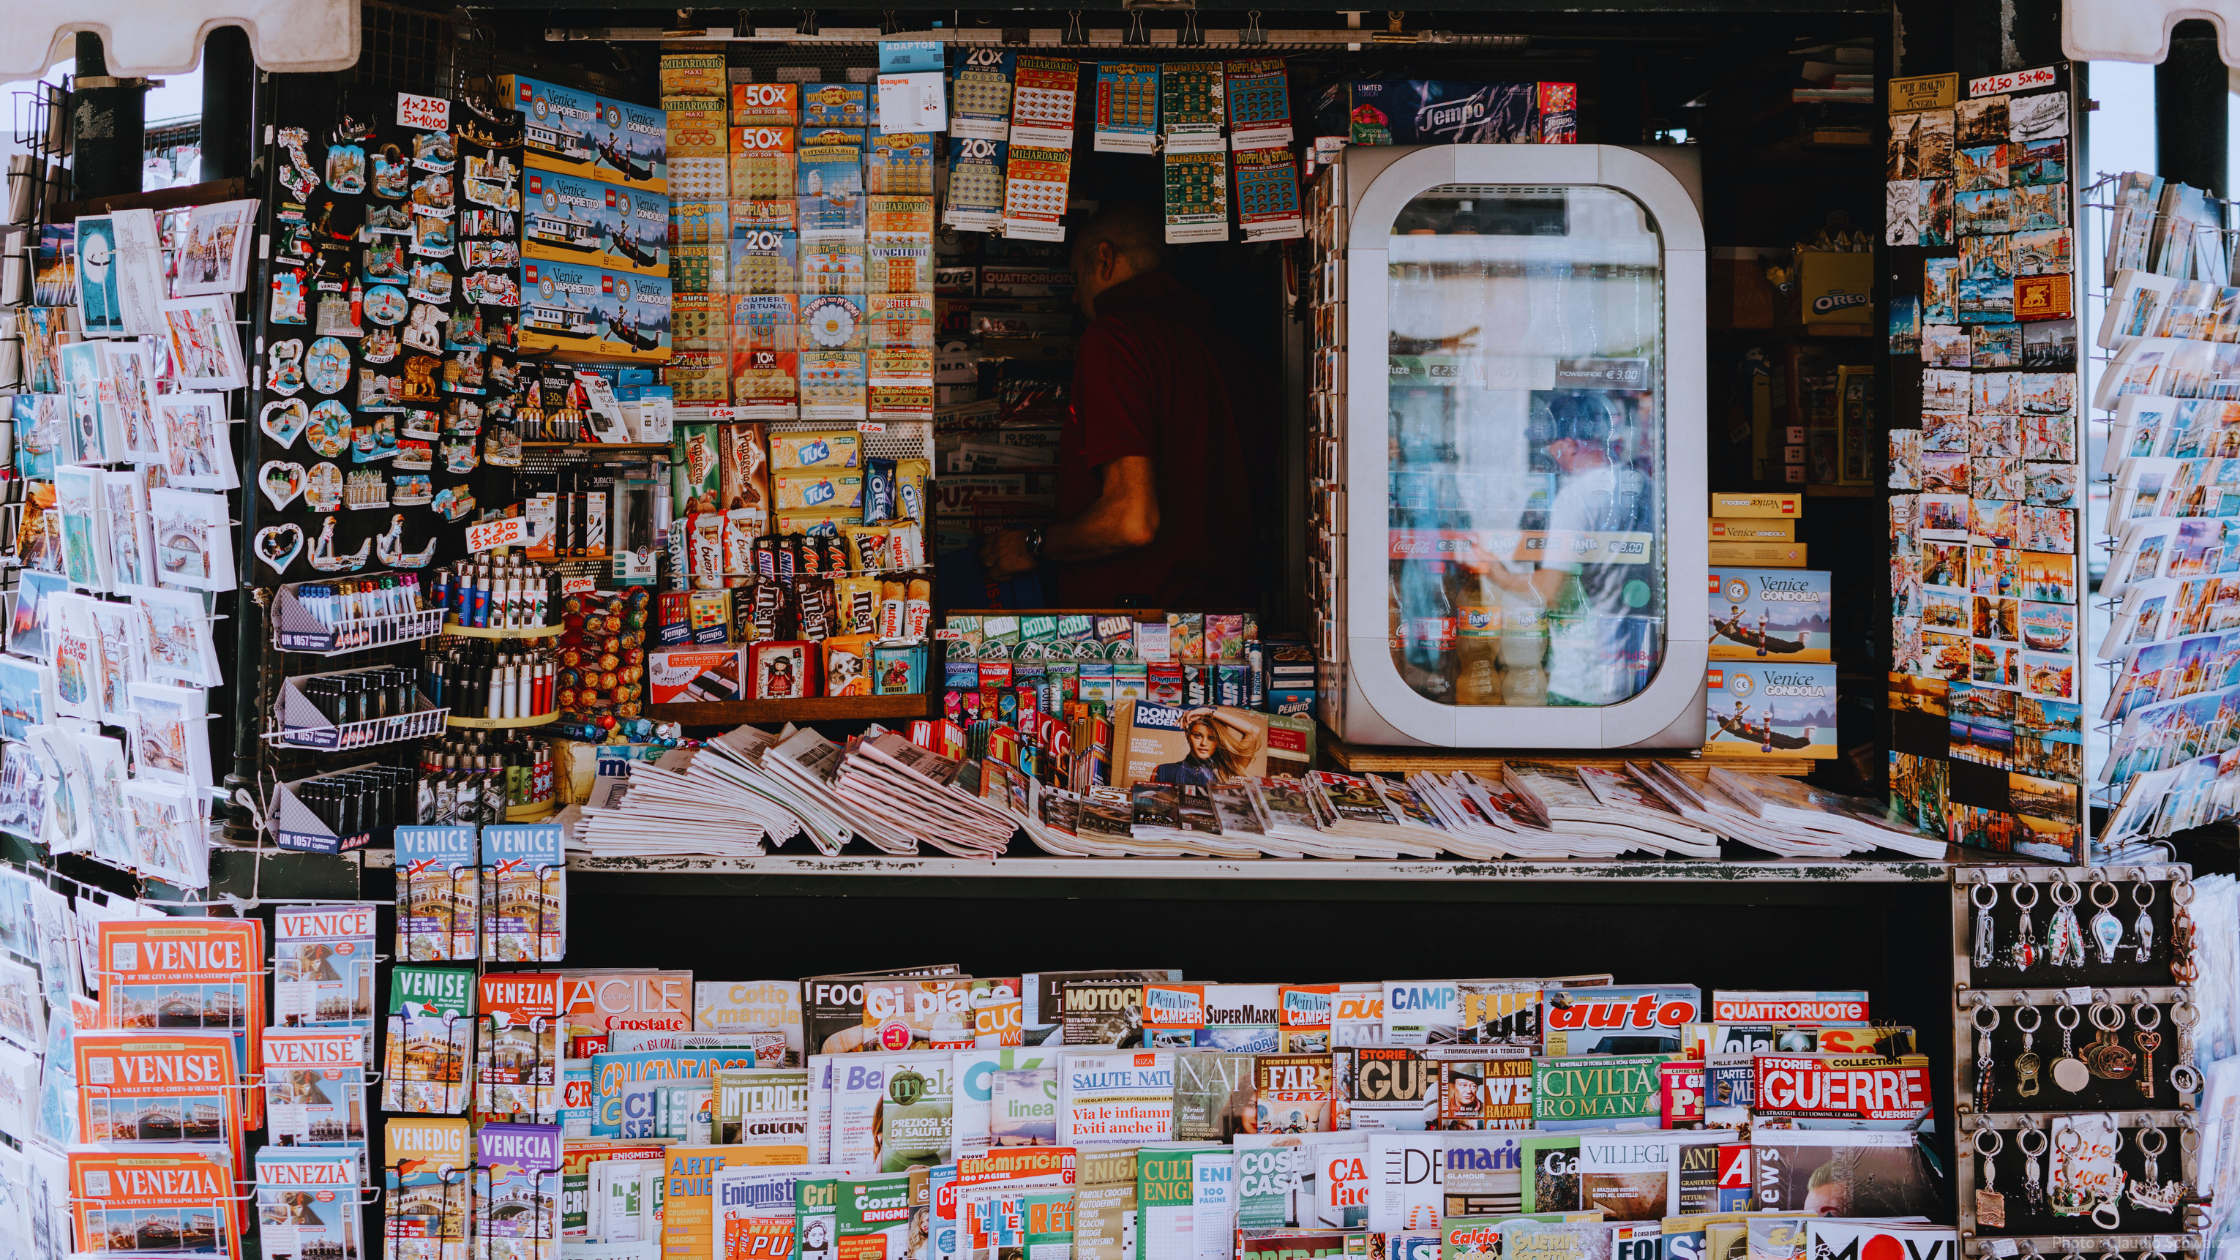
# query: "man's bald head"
{"points": [[1122, 240]]}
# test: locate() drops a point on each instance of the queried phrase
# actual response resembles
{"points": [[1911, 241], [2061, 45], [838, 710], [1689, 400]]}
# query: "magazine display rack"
{"points": [[295, 629], [2073, 1080]]}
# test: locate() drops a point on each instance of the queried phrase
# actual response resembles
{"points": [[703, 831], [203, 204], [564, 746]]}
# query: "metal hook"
{"points": [[808, 24], [1135, 33]]}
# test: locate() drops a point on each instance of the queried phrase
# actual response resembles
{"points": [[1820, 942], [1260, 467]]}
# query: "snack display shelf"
{"points": [[807, 709], [501, 724], [491, 632]]}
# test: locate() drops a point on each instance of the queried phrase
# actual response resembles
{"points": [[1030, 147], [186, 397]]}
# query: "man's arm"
{"points": [[1124, 517]]}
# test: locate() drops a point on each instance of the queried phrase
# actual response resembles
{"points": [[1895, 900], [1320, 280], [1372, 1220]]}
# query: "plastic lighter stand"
{"points": [[295, 827], [301, 725], [294, 629]]}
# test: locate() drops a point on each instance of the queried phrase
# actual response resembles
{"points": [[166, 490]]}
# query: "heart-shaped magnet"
{"points": [[279, 545], [281, 482], [284, 421]]}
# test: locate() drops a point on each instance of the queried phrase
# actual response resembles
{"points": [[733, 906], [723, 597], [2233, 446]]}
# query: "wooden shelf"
{"points": [[501, 724], [811, 709], [1303, 874], [492, 632], [1363, 760]]}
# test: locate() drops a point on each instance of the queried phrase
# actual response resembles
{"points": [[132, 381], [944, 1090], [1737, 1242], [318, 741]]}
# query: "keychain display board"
{"points": [[2073, 1069], [1986, 724]]}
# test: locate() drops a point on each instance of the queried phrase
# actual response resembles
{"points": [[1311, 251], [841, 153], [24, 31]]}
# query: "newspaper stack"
{"points": [[911, 795], [1801, 811]]}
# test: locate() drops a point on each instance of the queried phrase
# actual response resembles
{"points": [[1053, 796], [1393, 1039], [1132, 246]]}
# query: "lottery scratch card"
{"points": [[1127, 107], [980, 94], [1197, 197], [1259, 104], [975, 185], [832, 384], [1191, 106], [901, 163], [1268, 194], [1034, 193], [1042, 98]]}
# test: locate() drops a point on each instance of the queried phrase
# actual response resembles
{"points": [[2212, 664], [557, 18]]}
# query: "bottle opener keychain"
{"points": [[2025, 950], [1983, 896], [1991, 1206], [2185, 968], [2069, 1072], [2105, 1057], [2027, 1063], [2106, 929], [2184, 1077]]}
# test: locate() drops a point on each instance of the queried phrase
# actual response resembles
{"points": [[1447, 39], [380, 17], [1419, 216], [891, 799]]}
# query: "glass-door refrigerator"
{"points": [[1508, 423]]}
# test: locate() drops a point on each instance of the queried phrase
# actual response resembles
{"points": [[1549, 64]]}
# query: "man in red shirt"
{"points": [[1154, 501]]}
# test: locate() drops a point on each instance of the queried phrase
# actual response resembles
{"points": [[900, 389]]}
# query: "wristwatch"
{"points": [[1034, 542]]}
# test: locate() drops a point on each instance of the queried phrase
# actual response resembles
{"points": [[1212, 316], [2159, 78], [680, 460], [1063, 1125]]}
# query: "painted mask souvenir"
{"points": [[329, 434], [328, 367]]}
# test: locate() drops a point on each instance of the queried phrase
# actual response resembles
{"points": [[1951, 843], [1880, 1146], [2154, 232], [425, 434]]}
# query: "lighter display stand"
{"points": [[301, 725], [2073, 1076], [296, 629]]}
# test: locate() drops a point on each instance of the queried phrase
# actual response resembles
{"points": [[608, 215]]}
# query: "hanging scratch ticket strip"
{"points": [[1198, 196], [1127, 107], [1191, 107], [980, 94], [1268, 194], [975, 185], [1259, 103], [1034, 193], [1042, 98]]}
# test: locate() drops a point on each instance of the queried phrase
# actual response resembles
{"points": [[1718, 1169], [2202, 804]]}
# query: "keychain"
{"points": [[1983, 1052], [1984, 896], [2150, 1191], [2184, 1077], [2142, 896], [2105, 1057], [2025, 950], [2027, 1063], [2146, 1017], [2184, 967], [2067, 1199], [1991, 1206], [2064, 937], [2069, 1072], [2033, 1169], [2106, 928]]}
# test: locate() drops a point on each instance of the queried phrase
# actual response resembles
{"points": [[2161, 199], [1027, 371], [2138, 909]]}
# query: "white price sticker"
{"points": [[427, 113], [505, 532], [1995, 875], [2012, 81], [871, 426], [723, 415], [2001, 1247], [2081, 994], [578, 585]]}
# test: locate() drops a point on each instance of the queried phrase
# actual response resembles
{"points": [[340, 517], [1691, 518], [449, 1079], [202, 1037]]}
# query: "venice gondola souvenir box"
{"points": [[580, 309], [580, 132], [574, 218], [1770, 614]]}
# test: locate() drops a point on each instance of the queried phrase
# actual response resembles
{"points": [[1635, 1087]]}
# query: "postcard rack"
{"points": [[299, 723], [2073, 1080], [296, 629]]}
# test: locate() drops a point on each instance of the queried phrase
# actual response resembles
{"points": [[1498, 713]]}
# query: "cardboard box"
{"points": [[1835, 288], [573, 218], [1764, 555], [1746, 503], [688, 675], [1760, 712], [585, 310], [1743, 529], [1771, 615], [580, 132], [1444, 111]]}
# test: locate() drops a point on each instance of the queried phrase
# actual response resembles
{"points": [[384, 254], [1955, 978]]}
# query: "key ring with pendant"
{"points": [[2025, 949], [2069, 1072], [2142, 896], [2105, 929], [1983, 897]]}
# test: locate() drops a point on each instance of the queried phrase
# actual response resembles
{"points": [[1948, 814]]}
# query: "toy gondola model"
{"points": [[614, 155], [1766, 644], [626, 332], [1761, 734]]}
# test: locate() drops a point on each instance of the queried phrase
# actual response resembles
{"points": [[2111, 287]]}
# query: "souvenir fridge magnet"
{"points": [[284, 366], [386, 304], [325, 560], [329, 434], [279, 545], [328, 367], [323, 492], [346, 168], [411, 489], [454, 502], [284, 421], [282, 482], [287, 297], [389, 547]]}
